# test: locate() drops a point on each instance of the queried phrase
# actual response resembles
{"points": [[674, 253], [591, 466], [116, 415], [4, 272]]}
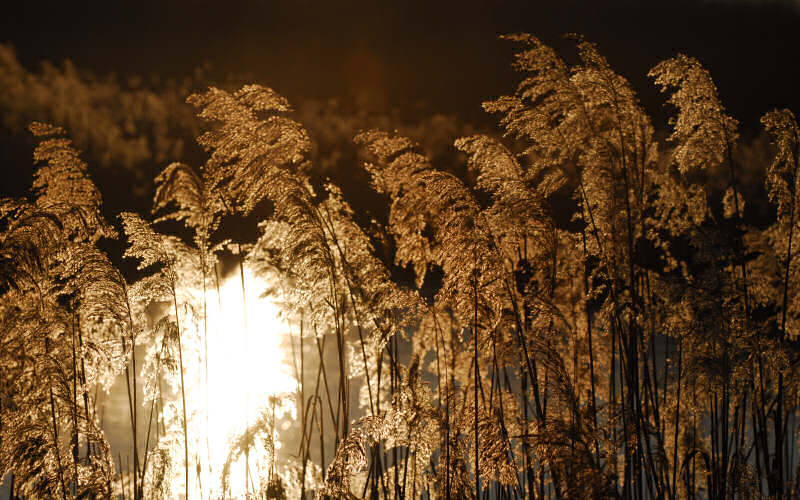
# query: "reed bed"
{"points": [[589, 312]]}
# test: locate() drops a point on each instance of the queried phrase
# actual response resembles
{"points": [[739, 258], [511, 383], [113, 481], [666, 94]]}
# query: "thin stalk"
{"points": [[677, 420], [83, 383], [205, 355], [346, 272], [589, 338], [320, 350], [183, 397], [246, 341], [55, 425], [74, 406], [136, 485], [477, 377], [303, 408], [131, 404], [152, 408]]}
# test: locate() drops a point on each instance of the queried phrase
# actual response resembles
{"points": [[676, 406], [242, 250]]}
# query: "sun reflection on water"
{"points": [[247, 373]]}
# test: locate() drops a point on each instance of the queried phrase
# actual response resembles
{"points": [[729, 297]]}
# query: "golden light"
{"points": [[247, 366]]}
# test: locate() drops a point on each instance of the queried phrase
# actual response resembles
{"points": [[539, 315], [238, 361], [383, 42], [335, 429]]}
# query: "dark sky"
{"points": [[444, 55]]}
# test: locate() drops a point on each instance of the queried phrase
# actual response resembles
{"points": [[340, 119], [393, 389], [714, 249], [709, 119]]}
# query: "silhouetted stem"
{"points": [[477, 377], [55, 425], [183, 398]]}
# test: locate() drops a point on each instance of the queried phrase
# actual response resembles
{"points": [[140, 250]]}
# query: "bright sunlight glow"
{"points": [[246, 367]]}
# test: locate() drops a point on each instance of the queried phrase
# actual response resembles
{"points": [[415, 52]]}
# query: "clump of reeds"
{"points": [[603, 322]]}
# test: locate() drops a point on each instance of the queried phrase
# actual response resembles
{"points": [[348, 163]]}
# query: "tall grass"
{"points": [[591, 315]]}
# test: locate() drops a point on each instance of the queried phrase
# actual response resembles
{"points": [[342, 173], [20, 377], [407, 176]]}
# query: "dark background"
{"points": [[415, 55]]}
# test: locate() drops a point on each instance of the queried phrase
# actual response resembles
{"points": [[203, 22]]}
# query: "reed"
{"points": [[587, 313]]}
